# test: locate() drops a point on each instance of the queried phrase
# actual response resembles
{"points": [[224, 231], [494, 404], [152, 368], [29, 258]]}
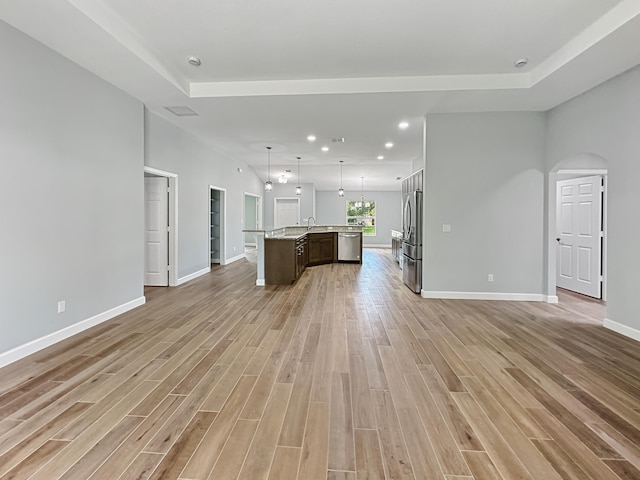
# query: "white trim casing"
{"points": [[193, 275], [173, 221], [551, 299], [622, 329], [223, 226], [38, 344], [511, 297]]}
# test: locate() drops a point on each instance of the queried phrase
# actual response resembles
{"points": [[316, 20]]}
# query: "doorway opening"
{"points": [[161, 233], [217, 223], [586, 172], [252, 219]]}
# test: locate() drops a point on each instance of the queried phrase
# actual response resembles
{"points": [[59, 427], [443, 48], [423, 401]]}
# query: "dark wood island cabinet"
{"points": [[287, 256], [284, 259], [323, 248]]}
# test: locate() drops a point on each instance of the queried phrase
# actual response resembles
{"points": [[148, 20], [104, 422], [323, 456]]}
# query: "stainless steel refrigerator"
{"points": [[412, 240]]}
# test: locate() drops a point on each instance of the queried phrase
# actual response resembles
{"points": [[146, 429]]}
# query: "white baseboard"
{"points": [[622, 329], [512, 297], [33, 346], [375, 245], [235, 259], [551, 298], [250, 245], [193, 275]]}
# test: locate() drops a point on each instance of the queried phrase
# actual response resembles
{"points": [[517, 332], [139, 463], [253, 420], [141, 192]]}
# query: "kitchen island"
{"points": [[284, 253]]}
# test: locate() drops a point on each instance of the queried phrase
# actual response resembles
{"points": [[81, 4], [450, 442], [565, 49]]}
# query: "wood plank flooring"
{"points": [[344, 375]]}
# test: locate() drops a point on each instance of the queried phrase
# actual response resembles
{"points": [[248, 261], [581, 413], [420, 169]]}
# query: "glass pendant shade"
{"points": [[341, 190], [268, 186], [298, 188]]}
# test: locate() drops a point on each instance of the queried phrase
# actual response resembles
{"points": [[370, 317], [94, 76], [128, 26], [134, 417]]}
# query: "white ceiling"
{"points": [[274, 72]]}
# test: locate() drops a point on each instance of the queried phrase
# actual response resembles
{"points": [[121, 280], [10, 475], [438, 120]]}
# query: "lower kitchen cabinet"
{"points": [[323, 248], [302, 255], [284, 260]]}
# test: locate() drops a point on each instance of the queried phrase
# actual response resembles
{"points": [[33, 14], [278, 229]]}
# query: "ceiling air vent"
{"points": [[337, 140], [182, 111]]}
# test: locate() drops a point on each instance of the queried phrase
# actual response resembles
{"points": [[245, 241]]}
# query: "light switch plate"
{"points": [[446, 228]]}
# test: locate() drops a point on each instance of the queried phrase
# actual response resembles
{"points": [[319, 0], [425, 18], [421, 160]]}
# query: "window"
{"points": [[362, 213]]}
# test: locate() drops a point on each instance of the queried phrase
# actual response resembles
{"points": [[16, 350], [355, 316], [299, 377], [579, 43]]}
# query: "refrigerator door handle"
{"points": [[407, 218]]}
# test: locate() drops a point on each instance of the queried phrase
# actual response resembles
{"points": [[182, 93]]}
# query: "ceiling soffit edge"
{"points": [[111, 23], [613, 20], [606, 25]]}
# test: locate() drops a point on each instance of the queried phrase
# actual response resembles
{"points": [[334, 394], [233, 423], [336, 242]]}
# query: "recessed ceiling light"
{"points": [[311, 138], [403, 125], [388, 144], [195, 61], [520, 62], [380, 157], [325, 149]]}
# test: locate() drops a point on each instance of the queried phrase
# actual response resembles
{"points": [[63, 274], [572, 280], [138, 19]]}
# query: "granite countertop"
{"points": [[288, 233]]}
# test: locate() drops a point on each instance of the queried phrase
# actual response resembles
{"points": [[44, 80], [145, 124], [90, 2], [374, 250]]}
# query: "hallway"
{"points": [[344, 375]]}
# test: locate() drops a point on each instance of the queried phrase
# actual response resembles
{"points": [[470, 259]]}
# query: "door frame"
{"points": [[173, 221], [552, 266], [275, 207], [223, 222], [258, 210]]}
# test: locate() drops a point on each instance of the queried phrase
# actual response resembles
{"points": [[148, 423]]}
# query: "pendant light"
{"points": [[362, 203], [341, 190], [268, 186], [298, 188]]}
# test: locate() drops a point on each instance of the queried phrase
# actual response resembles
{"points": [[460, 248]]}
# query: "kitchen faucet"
{"points": [[309, 222]]}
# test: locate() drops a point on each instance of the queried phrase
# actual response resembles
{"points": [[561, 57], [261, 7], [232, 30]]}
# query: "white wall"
{"points": [[484, 177], [197, 165], [71, 149], [332, 210], [605, 122]]}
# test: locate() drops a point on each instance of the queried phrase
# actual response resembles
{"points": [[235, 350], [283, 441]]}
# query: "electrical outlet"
{"points": [[446, 228], [62, 306], [490, 277]]}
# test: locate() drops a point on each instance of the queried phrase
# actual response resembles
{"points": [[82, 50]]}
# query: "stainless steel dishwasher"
{"points": [[348, 247]]}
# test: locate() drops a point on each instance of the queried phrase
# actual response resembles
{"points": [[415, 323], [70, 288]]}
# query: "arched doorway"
{"points": [[583, 165]]}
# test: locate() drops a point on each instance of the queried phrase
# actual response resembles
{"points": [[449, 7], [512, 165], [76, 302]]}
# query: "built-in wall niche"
{"points": [[215, 224]]}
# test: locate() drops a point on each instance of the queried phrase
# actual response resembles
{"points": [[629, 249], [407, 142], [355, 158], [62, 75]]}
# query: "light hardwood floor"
{"points": [[345, 375]]}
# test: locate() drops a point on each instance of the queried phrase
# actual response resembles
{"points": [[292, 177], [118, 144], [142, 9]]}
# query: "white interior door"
{"points": [[578, 234], [286, 212], [156, 235]]}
